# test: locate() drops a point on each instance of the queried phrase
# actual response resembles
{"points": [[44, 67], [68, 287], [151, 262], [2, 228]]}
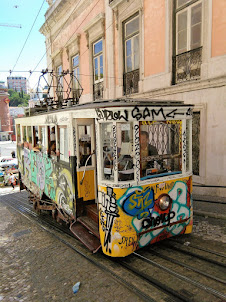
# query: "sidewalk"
{"points": [[209, 206]]}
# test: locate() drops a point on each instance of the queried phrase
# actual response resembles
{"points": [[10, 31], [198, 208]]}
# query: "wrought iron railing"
{"points": [[130, 82], [187, 66], [98, 90]]}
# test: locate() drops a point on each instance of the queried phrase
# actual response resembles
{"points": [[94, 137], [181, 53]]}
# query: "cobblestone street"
{"points": [[37, 267]]}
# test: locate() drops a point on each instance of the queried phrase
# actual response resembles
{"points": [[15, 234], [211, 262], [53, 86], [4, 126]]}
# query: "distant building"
{"points": [[5, 127], [15, 112], [17, 83]]}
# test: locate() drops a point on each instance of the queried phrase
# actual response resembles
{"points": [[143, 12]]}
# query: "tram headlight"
{"points": [[164, 202]]}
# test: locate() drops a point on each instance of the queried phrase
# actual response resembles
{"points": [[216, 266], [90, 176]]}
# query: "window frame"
{"points": [[188, 8], [97, 56], [131, 37], [62, 156], [76, 68]]}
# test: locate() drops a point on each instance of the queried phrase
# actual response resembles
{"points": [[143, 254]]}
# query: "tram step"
{"points": [[91, 211], [90, 224], [84, 235]]}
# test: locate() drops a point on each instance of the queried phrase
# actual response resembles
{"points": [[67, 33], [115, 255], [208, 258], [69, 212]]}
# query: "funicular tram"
{"points": [[117, 171]]}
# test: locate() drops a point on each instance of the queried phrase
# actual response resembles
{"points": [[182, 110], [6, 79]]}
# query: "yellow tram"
{"points": [[118, 171]]}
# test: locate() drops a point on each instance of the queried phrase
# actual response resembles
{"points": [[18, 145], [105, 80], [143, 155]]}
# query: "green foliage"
{"points": [[18, 99]]}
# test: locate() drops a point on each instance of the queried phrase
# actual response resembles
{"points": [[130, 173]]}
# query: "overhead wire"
{"points": [[28, 35], [74, 33], [34, 70]]}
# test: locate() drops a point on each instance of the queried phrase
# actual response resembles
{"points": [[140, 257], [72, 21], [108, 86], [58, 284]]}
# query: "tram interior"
{"points": [[160, 149]]}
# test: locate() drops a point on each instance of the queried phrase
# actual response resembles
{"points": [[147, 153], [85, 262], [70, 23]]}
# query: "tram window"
{"points": [[51, 140], [24, 133], [18, 133], [35, 134], [43, 138], [125, 151], [84, 136], [107, 138], [188, 144], [160, 148], [63, 136], [29, 134]]}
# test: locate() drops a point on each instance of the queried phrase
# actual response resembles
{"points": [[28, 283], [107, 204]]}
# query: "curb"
{"points": [[208, 214]]}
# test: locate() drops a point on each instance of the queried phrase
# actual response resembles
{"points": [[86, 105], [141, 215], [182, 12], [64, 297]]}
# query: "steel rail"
{"points": [[198, 248], [186, 266], [129, 286], [196, 283], [210, 201], [193, 254]]}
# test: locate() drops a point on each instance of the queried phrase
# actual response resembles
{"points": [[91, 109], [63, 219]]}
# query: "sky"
{"points": [[24, 13]]}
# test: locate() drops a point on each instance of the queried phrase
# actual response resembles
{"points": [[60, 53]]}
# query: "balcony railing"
{"points": [[130, 82], [98, 91], [187, 66]]}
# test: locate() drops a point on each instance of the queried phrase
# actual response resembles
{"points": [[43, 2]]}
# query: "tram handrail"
{"points": [[84, 172]]}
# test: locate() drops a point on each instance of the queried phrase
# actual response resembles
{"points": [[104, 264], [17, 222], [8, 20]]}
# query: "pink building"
{"points": [[165, 49], [5, 127]]}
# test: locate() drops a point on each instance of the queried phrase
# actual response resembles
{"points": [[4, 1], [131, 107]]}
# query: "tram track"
{"points": [[51, 227]]}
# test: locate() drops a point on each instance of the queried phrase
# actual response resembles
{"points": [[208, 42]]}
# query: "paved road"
{"points": [[7, 147]]}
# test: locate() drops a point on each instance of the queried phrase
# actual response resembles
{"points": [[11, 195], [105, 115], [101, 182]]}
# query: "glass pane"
{"points": [[182, 42], [76, 77], [196, 36], [75, 61], [187, 144], [18, 133], [125, 151], [158, 142], [96, 69], [128, 47], [24, 134], [132, 26], [29, 134], [62, 143], [84, 145], [59, 70], [136, 52], [196, 14], [107, 151], [181, 2], [97, 47], [101, 73], [66, 157], [128, 64], [35, 133], [101, 61], [182, 21]]}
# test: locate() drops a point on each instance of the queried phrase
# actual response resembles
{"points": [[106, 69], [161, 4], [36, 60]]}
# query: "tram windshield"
{"points": [[159, 149]]}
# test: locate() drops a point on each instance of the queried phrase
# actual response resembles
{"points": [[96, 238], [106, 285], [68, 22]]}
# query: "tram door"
{"points": [[86, 163]]}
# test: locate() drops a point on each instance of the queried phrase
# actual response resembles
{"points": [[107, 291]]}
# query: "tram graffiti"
{"points": [[108, 212], [144, 221], [48, 177]]}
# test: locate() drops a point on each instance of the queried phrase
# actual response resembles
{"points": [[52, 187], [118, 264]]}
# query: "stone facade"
{"points": [[165, 49], [5, 127]]}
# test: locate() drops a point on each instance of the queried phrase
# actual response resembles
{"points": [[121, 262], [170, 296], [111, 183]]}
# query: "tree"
{"points": [[18, 99]]}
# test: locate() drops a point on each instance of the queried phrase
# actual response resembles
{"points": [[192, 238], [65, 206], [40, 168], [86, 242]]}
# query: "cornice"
{"points": [[185, 87]]}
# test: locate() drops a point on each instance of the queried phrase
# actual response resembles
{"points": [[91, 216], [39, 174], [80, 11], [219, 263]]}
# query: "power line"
{"points": [[76, 30], [28, 34], [56, 37]]}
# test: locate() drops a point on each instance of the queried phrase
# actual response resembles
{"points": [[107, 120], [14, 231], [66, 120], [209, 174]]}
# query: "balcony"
{"points": [[187, 66], [130, 82]]}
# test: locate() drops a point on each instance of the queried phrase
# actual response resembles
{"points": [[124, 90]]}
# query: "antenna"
{"points": [[11, 25]]}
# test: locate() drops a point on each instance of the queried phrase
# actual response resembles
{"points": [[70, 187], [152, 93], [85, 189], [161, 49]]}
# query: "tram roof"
{"points": [[109, 103]]}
